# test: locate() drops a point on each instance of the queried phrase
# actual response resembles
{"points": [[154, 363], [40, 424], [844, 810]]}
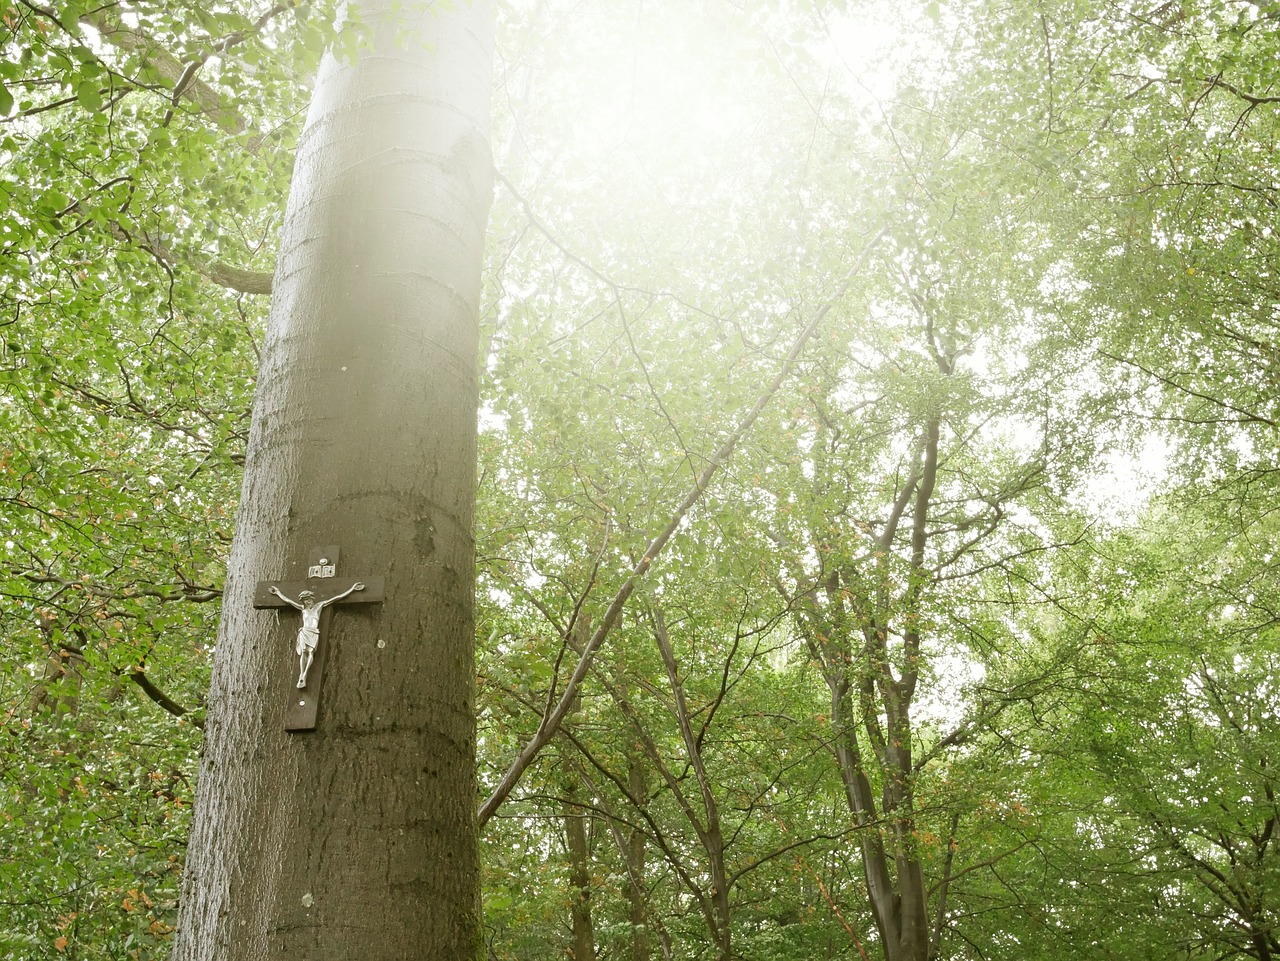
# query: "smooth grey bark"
{"points": [[358, 840]]}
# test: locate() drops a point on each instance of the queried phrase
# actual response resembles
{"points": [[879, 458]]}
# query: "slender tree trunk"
{"points": [[575, 829], [635, 853], [710, 836], [357, 840], [871, 702], [896, 889]]}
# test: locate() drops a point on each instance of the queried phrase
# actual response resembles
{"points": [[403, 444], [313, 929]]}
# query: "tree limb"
{"points": [[181, 76], [139, 677]]}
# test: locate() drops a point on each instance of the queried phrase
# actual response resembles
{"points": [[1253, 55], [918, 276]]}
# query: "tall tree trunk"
{"points": [[357, 840], [575, 830], [635, 853]]}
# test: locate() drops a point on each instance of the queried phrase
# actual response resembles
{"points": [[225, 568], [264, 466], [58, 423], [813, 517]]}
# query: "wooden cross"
{"points": [[315, 598]]}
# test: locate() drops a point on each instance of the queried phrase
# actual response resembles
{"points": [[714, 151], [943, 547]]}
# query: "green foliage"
{"points": [[96, 808], [127, 381], [1077, 262]]}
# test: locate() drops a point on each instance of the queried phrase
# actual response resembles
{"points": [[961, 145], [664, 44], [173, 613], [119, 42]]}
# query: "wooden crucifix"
{"points": [[315, 599]]}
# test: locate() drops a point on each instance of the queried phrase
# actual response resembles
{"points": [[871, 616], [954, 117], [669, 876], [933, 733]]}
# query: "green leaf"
{"points": [[6, 100], [69, 15], [89, 95]]}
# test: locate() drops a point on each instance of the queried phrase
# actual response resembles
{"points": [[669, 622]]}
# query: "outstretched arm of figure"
{"points": [[357, 586], [288, 600]]}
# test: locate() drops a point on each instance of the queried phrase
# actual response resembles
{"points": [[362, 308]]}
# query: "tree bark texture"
{"points": [[635, 853], [358, 840], [579, 850]]}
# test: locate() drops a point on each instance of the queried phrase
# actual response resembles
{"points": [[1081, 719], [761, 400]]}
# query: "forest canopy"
{"points": [[880, 394]]}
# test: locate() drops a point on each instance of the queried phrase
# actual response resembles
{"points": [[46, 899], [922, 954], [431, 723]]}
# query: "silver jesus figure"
{"points": [[309, 633]]}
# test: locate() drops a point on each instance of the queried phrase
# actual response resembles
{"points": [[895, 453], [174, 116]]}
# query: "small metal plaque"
{"points": [[325, 568]]}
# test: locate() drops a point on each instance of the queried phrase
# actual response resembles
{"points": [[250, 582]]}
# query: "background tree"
{"points": [[1075, 201]]}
